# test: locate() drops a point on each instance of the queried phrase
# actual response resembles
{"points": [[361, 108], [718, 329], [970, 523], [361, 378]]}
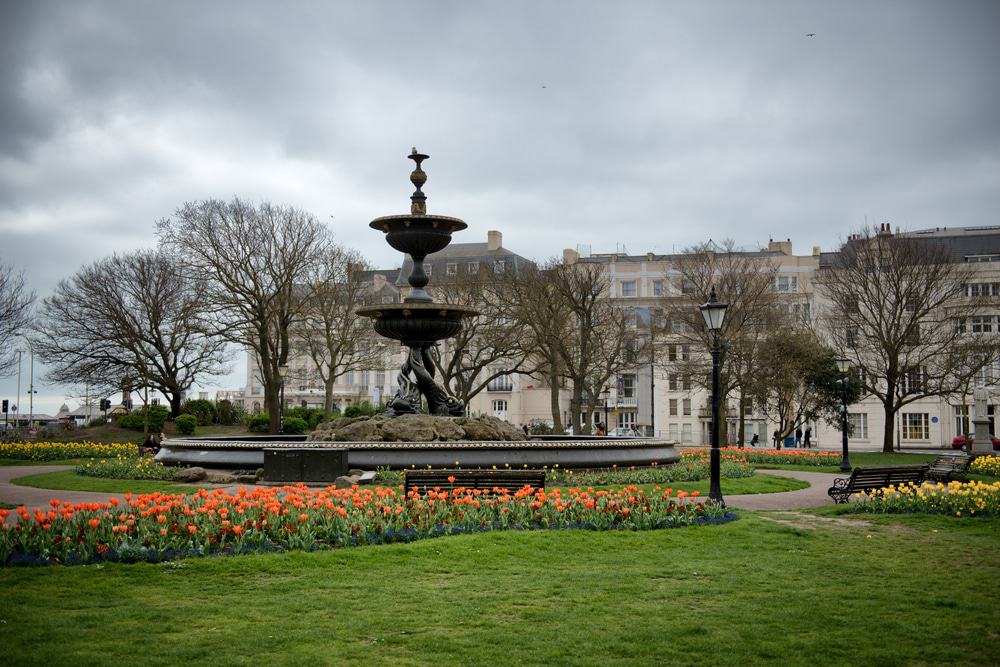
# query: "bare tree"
{"points": [[125, 321], [892, 305], [337, 340], [490, 346], [251, 259], [15, 315], [578, 333], [544, 320], [745, 281], [797, 380]]}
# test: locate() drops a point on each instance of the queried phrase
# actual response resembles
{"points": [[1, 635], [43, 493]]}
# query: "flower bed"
{"points": [[126, 467], [986, 465], [805, 457], [158, 526], [955, 498], [56, 451], [687, 470]]}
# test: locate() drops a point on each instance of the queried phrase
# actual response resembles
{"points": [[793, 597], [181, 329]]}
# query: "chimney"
{"points": [[494, 240], [570, 256], [815, 251], [784, 247]]}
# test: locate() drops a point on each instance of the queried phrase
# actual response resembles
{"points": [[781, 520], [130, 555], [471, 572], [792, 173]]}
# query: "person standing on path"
{"points": [[807, 442], [798, 437], [774, 436]]}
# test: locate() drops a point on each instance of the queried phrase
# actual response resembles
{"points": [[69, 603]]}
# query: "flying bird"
{"points": [[810, 34]]}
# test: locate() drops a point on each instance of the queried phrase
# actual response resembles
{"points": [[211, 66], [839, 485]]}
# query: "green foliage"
{"points": [[686, 470], [202, 409], [186, 423], [97, 421], [126, 467], [294, 425], [363, 409], [134, 420], [228, 413], [540, 427], [311, 416], [260, 423]]}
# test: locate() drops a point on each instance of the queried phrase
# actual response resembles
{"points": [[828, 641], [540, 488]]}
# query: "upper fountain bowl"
{"points": [[418, 235]]}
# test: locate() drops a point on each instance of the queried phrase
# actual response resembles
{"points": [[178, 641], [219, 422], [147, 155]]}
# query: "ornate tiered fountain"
{"points": [[419, 323], [423, 424]]}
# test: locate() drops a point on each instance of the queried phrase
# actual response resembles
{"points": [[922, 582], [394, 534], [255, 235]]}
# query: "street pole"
{"points": [[17, 413], [845, 464], [31, 385], [715, 488]]}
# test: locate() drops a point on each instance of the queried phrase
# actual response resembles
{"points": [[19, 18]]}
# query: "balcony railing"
{"points": [[500, 386], [627, 401]]}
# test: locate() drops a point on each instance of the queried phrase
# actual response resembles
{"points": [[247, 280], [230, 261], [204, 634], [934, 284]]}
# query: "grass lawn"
{"points": [[22, 462], [861, 460], [816, 590], [759, 483], [68, 480]]}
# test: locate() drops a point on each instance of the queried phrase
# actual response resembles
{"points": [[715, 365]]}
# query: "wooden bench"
{"points": [[949, 466], [864, 480], [511, 481]]}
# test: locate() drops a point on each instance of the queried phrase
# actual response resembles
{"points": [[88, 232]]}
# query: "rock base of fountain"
{"points": [[416, 428]]}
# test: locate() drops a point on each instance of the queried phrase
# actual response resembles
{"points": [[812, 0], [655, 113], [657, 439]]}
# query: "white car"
{"points": [[623, 432]]}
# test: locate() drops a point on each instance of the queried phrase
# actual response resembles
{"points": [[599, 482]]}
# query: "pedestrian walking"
{"points": [[755, 440], [798, 437], [807, 442], [774, 436]]}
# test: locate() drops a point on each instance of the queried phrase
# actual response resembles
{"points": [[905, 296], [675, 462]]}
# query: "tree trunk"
{"points": [[175, 403], [557, 424], [889, 427], [328, 399]]}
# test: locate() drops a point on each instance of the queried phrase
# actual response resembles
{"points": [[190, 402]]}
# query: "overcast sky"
{"points": [[653, 125]]}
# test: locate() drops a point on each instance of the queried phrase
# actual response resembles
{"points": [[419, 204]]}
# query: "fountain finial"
{"points": [[418, 199]]}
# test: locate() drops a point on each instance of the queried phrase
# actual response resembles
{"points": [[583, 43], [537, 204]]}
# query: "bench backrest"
{"points": [[884, 476], [510, 480], [948, 464]]}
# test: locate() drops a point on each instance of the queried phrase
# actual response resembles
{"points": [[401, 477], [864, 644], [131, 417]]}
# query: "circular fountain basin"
{"points": [[248, 452], [418, 324]]}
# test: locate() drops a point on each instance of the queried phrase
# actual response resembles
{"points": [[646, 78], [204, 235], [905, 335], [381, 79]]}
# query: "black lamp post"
{"points": [[714, 314], [282, 373], [844, 366], [605, 394]]}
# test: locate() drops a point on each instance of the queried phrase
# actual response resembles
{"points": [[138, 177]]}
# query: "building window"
{"points": [[851, 336], [499, 266], [671, 353], [628, 385], [686, 434], [657, 288], [472, 267], [499, 405], [672, 381], [786, 284], [673, 407], [962, 425], [687, 287], [686, 383], [915, 426], [672, 431], [428, 269], [912, 381], [981, 324], [628, 288], [687, 407], [451, 269], [857, 422], [685, 352], [502, 383], [626, 419]]}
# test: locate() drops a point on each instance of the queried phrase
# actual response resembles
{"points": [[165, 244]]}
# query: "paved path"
{"points": [[813, 496]]}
